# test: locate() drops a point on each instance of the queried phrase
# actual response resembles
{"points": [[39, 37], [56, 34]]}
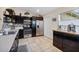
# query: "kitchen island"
{"points": [[66, 41], [6, 41]]}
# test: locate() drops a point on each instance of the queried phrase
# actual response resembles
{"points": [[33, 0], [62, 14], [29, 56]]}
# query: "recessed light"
{"points": [[37, 10]]}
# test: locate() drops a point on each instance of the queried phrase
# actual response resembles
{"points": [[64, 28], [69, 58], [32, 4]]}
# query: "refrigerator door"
{"points": [[39, 27]]}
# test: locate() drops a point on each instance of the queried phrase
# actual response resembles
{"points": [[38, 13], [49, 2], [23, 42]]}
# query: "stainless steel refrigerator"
{"points": [[39, 27]]}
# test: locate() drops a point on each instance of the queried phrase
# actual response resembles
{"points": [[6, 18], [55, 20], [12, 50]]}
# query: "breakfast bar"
{"points": [[66, 41]]}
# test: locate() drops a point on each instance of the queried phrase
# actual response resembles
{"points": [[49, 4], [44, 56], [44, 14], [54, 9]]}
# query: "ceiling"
{"points": [[34, 10]]}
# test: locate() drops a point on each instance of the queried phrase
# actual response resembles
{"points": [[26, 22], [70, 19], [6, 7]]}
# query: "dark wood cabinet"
{"points": [[39, 18], [66, 42], [70, 46], [17, 19], [21, 34], [57, 42]]}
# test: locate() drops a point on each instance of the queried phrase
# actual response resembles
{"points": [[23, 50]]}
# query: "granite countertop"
{"points": [[6, 41], [73, 33]]}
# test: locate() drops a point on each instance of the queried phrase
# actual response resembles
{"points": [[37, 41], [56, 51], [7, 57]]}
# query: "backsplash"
{"points": [[66, 22]]}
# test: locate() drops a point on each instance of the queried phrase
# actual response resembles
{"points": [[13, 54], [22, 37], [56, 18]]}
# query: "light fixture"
{"points": [[37, 10], [27, 13]]}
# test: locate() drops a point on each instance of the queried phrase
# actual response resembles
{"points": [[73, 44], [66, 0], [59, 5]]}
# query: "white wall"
{"points": [[49, 25], [1, 16]]}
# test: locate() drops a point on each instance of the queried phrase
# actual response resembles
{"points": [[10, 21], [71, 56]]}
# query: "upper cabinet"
{"points": [[39, 18]]}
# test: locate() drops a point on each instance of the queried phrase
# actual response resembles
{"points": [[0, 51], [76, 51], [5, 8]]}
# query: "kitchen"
{"points": [[40, 33], [18, 26], [67, 36]]}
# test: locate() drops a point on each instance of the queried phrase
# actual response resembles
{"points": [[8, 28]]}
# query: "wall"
{"points": [[49, 25], [1, 16]]}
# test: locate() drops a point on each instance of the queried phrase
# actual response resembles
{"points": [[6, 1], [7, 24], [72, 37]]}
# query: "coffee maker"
{"points": [[71, 27]]}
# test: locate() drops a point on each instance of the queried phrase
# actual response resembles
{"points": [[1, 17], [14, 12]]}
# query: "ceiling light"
{"points": [[37, 11], [26, 13]]}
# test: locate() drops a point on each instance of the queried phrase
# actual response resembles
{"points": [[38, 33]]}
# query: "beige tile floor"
{"points": [[39, 44]]}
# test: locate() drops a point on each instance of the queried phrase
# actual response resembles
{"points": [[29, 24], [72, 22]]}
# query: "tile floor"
{"points": [[38, 44]]}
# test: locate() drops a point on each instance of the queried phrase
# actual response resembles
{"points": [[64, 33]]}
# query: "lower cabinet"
{"points": [[21, 34], [58, 42], [70, 46], [66, 42]]}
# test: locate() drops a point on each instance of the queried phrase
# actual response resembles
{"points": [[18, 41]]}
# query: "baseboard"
{"points": [[48, 37]]}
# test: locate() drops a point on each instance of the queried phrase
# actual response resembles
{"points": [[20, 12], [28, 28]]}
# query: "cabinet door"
{"points": [[21, 34], [57, 41], [70, 46], [14, 46]]}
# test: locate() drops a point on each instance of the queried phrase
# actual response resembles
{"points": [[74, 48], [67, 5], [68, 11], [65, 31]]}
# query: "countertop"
{"points": [[73, 33], [6, 41]]}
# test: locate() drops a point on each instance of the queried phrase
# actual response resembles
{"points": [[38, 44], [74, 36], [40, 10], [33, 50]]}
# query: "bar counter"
{"points": [[66, 41]]}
